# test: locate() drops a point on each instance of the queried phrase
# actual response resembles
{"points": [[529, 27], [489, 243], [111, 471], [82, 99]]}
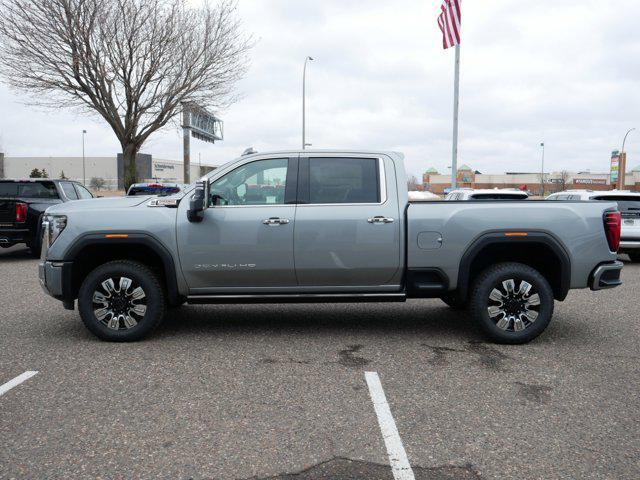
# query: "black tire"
{"points": [[455, 302], [35, 248], [634, 257], [120, 329], [511, 322]]}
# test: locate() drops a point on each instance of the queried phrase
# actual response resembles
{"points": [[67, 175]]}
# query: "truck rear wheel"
{"points": [[121, 301], [512, 303]]}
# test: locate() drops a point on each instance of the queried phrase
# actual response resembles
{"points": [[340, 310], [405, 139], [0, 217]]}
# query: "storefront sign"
{"points": [[615, 163], [590, 181]]}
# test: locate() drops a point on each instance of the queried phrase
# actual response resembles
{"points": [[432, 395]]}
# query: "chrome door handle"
{"points": [[380, 219], [275, 221]]}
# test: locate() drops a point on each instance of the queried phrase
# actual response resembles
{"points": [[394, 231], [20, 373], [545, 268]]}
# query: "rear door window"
{"points": [[69, 191], [344, 180]]}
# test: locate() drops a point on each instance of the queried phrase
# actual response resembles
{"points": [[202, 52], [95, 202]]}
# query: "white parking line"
{"points": [[16, 381], [397, 456]]}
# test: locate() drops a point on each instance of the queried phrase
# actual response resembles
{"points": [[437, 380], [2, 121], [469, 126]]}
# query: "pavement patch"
{"points": [[534, 393], [349, 359]]}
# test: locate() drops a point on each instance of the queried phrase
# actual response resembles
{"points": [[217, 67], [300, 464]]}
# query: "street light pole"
{"points": [[625, 138], [84, 171], [542, 172], [622, 163], [304, 95]]}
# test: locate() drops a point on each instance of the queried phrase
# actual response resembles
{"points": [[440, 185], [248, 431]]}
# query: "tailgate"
{"points": [[7, 212]]}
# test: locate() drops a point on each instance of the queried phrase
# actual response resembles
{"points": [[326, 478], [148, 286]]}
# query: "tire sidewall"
{"points": [[518, 272], [141, 275]]}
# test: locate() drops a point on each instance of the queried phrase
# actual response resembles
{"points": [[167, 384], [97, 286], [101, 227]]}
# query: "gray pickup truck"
{"points": [[323, 226]]}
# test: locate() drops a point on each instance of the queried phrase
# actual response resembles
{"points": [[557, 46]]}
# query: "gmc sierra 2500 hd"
{"points": [[323, 226]]}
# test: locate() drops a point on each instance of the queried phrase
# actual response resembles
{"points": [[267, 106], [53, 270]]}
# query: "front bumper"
{"points": [[55, 279], [606, 275]]}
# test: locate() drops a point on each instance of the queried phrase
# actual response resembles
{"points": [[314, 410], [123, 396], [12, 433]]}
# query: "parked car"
{"points": [[422, 196], [155, 188], [629, 206], [488, 194], [22, 203], [342, 231]]}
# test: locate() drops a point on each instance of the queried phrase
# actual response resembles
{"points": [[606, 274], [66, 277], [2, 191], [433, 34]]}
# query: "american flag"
{"points": [[449, 22]]}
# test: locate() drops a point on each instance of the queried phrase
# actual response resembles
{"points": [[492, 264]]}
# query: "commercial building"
{"points": [[109, 169], [467, 177]]}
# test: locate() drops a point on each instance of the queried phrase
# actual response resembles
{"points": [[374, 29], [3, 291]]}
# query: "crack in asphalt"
{"points": [[340, 468]]}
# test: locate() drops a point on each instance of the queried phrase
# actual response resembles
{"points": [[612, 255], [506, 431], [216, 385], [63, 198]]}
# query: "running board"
{"points": [[299, 298]]}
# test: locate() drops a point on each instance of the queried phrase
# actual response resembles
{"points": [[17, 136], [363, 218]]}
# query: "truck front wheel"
{"points": [[121, 301], [512, 303]]}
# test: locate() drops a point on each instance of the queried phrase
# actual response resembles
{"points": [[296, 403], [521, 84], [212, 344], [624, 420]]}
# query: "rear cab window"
{"points": [[29, 190], [337, 180]]}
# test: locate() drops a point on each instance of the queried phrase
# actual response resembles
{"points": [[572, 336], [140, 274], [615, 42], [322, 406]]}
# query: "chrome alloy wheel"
{"points": [[121, 307], [514, 305]]}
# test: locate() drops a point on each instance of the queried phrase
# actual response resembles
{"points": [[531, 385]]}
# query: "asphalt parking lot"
{"points": [[279, 392]]}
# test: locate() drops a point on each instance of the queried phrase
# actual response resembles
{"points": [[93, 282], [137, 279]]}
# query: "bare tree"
{"points": [[412, 183], [133, 62], [564, 179]]}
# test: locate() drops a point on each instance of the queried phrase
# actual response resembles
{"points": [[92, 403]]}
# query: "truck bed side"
{"points": [[440, 234]]}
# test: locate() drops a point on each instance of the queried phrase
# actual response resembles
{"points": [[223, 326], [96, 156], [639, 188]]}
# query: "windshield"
{"points": [[160, 190]]}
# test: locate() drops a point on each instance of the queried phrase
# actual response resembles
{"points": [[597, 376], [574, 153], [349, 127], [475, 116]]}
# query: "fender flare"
{"points": [[531, 237], [133, 238]]}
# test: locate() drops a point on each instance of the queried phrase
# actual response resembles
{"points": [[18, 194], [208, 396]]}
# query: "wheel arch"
{"points": [[94, 249], [537, 249]]}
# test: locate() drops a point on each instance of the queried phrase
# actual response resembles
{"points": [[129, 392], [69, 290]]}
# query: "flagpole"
{"points": [[456, 93]]}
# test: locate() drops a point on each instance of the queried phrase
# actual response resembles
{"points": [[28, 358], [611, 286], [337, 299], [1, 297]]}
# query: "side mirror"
{"points": [[199, 202]]}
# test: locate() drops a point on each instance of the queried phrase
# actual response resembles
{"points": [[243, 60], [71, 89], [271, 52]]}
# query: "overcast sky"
{"points": [[566, 73]]}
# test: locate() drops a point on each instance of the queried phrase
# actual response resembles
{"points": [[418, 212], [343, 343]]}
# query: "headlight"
{"points": [[52, 226]]}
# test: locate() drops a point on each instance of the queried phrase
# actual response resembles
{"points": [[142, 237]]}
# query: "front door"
{"points": [[347, 227], [245, 240]]}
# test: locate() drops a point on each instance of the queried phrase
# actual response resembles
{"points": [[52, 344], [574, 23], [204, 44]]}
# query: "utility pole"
{"points": [[542, 172], [304, 100], [84, 170], [186, 144]]}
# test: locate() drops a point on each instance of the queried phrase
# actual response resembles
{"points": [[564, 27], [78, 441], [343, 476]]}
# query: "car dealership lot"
{"points": [[270, 391]]}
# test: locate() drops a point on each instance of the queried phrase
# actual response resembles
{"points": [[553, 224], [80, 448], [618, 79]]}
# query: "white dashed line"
{"points": [[397, 456], [16, 381]]}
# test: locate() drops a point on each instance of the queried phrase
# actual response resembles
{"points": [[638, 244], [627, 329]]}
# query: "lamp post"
{"points": [[542, 172], [84, 171], [622, 162], [304, 90]]}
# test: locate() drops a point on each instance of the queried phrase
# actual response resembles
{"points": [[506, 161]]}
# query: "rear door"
{"points": [[347, 229]]}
